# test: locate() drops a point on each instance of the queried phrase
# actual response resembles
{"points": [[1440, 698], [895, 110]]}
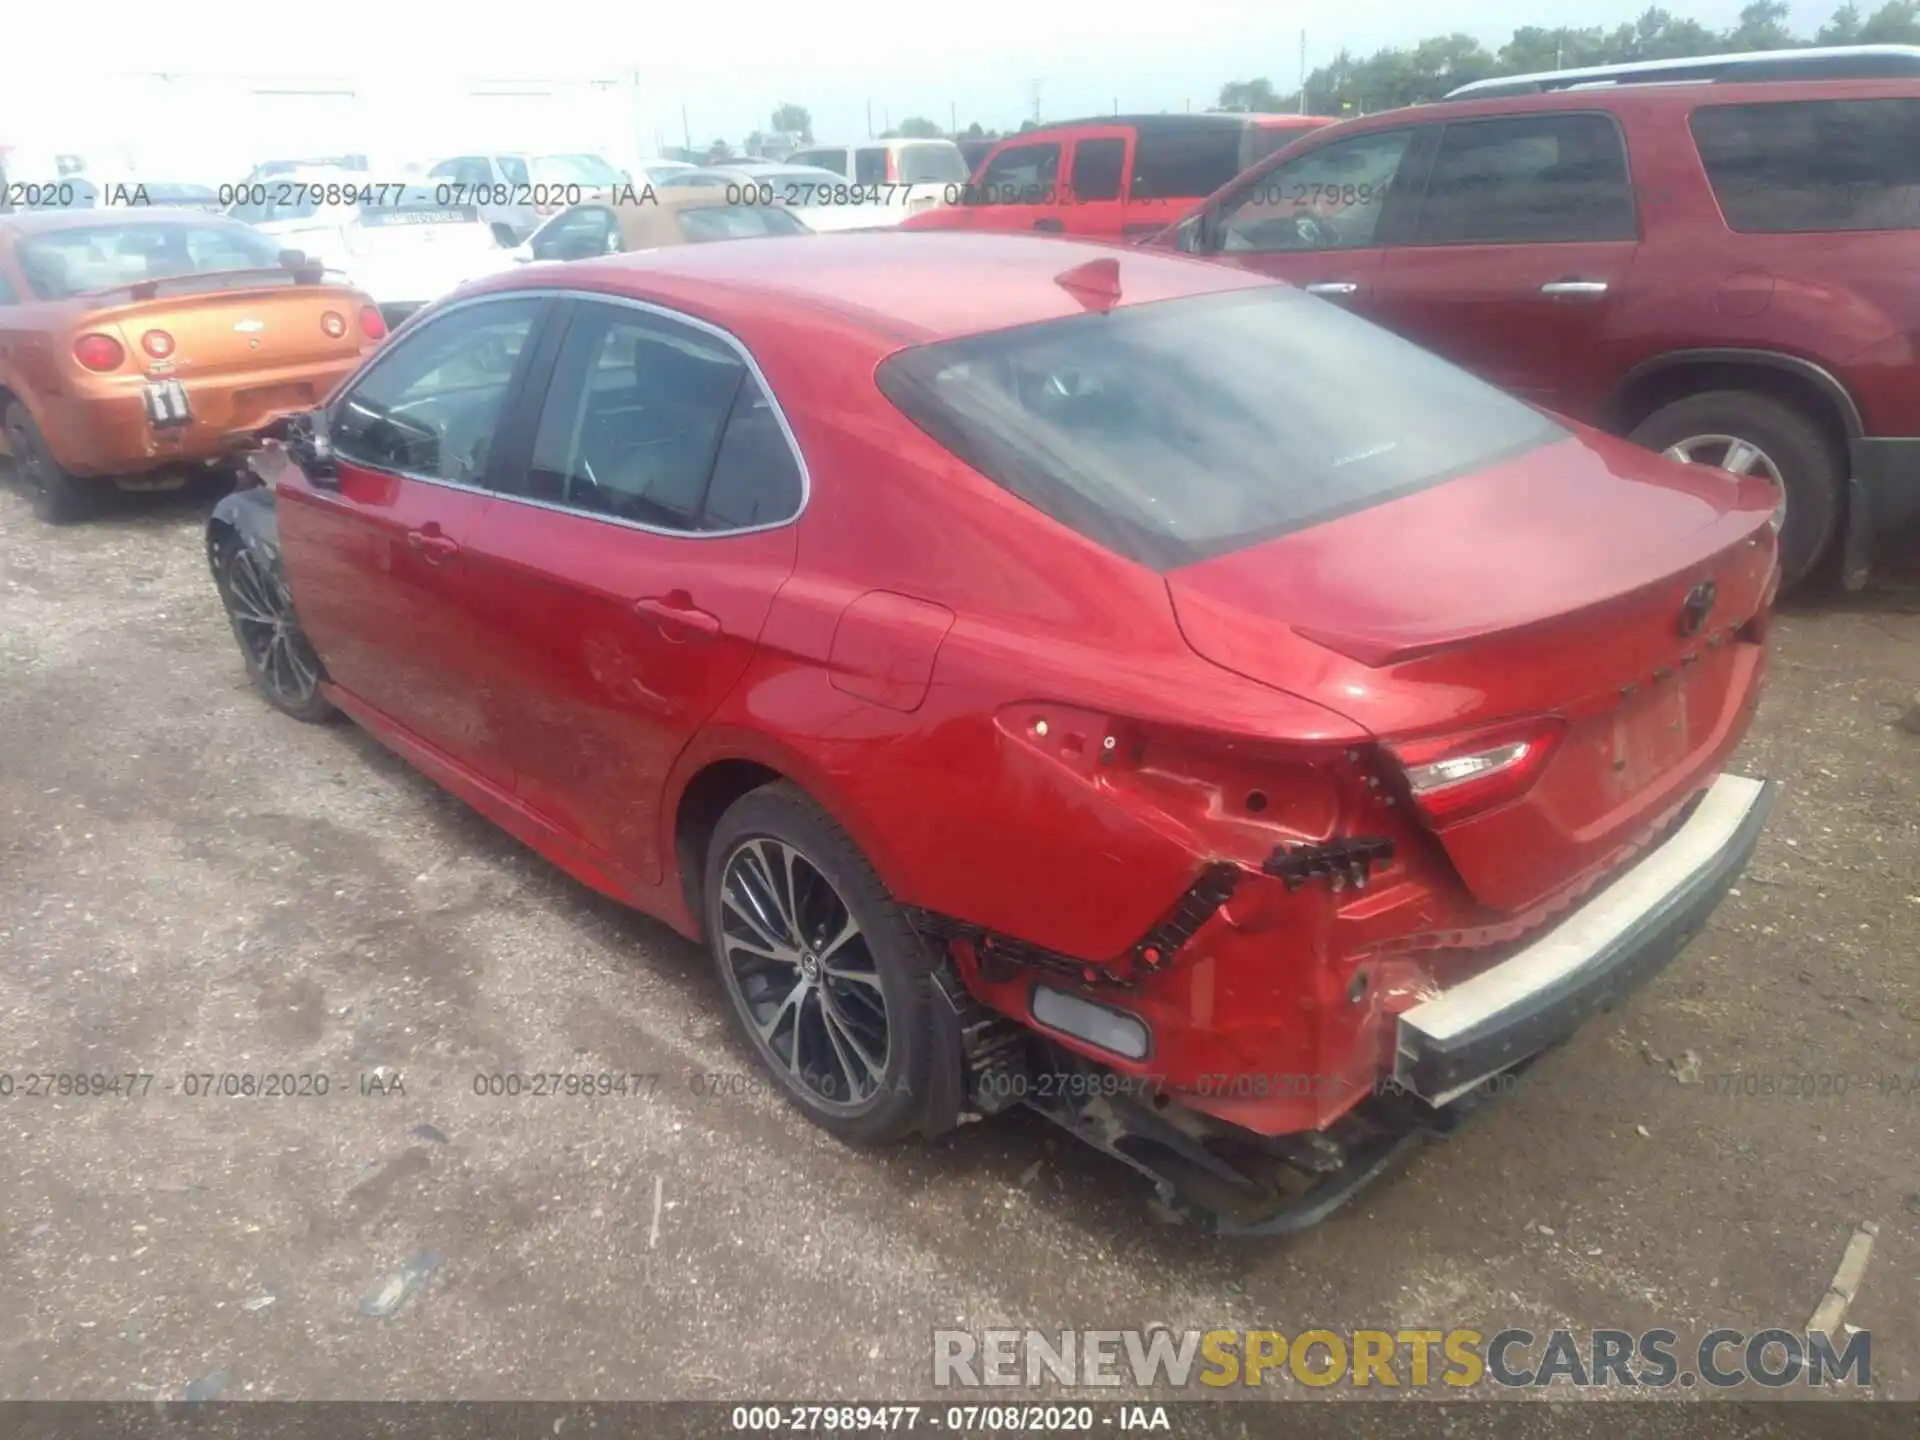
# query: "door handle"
{"points": [[1050, 224], [432, 544], [1574, 287], [677, 617], [1334, 287]]}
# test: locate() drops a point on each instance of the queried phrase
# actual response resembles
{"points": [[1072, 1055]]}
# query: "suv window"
{"points": [[1021, 175], [870, 165], [1188, 428], [1813, 165], [1328, 199], [514, 168], [656, 422], [1531, 179], [931, 162], [834, 159], [1184, 163], [429, 406], [1096, 168]]}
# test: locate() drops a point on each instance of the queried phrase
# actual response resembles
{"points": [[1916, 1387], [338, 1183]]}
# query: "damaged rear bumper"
{"points": [[1616, 940]]}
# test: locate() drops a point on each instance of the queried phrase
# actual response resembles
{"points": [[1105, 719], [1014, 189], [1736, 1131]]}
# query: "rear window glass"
{"points": [[61, 263], [1813, 165], [1184, 164], [1184, 429], [737, 222], [933, 162]]}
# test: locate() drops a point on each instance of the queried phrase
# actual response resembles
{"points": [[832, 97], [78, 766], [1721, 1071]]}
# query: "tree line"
{"points": [[1407, 75], [1412, 74]]}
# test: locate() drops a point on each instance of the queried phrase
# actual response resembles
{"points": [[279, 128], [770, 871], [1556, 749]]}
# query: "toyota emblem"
{"points": [[1694, 609]]}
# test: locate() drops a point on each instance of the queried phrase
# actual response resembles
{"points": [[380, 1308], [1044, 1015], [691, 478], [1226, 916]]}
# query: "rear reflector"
{"points": [[1112, 1030], [334, 323], [157, 343], [371, 324], [99, 353], [1454, 776]]}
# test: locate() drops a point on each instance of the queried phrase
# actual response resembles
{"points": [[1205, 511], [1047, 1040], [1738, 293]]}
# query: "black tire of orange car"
{"points": [[57, 497], [1810, 465], [901, 964], [262, 589]]}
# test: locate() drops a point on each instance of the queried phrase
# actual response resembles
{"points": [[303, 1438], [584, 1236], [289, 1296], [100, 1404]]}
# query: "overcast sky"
{"points": [[728, 64]]}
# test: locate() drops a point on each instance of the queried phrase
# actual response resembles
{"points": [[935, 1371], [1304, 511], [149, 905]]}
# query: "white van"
{"points": [[907, 176]]}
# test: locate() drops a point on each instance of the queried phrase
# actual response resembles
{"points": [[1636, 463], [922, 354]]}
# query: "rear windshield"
{"points": [[68, 262], [1180, 430], [932, 162], [737, 222]]}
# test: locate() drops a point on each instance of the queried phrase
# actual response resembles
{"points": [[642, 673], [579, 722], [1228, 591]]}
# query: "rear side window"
{"points": [[662, 424], [1188, 428], [1097, 165], [1021, 175], [1184, 163], [1529, 180], [870, 165], [1813, 165]]}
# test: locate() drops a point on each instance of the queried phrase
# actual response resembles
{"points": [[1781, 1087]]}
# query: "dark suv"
{"points": [[1719, 264]]}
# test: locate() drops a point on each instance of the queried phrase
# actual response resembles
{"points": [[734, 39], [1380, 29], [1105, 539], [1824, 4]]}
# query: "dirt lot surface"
{"points": [[192, 884]]}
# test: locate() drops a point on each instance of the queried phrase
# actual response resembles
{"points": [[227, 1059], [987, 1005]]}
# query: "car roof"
{"points": [[888, 289]]}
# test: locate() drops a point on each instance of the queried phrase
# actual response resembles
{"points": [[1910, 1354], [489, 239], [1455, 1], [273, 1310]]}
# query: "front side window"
{"points": [[737, 222], [1533, 179], [1183, 429], [1097, 167], [429, 406], [660, 424], [61, 263], [1331, 198], [579, 234], [1812, 165], [1021, 175]]}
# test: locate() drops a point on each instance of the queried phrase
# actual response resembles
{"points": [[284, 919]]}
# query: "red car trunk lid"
{"points": [[1552, 584]]}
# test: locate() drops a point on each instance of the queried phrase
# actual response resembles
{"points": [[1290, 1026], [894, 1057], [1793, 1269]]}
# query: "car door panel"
{"points": [[614, 638], [383, 586], [1524, 241]]}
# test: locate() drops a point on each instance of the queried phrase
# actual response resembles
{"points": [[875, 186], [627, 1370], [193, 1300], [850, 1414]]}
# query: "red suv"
{"points": [[1126, 176], [1724, 271]]}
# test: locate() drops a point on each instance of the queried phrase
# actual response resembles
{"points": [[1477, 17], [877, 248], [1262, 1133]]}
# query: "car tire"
{"points": [[810, 1024], [1810, 469], [57, 497], [280, 659]]}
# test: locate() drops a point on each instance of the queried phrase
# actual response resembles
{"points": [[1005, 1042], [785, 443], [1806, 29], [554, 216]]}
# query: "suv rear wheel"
{"points": [[1754, 434], [830, 981]]}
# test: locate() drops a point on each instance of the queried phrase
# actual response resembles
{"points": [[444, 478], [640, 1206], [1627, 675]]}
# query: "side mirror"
{"points": [[293, 259], [309, 447]]}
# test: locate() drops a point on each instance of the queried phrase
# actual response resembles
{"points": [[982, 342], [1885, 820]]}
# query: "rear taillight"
{"points": [[334, 323], [157, 343], [99, 353], [371, 324], [1453, 776]]}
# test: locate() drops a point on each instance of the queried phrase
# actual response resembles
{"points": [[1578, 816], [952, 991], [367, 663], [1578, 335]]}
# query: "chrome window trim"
{"points": [[603, 297]]}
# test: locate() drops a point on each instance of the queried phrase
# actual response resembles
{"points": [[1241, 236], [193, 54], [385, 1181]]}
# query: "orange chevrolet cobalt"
{"points": [[136, 342]]}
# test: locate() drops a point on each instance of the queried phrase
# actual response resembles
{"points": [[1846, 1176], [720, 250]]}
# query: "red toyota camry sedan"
{"points": [[1105, 682]]}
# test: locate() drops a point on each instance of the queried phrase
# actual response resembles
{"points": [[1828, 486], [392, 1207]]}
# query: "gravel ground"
{"points": [[191, 883]]}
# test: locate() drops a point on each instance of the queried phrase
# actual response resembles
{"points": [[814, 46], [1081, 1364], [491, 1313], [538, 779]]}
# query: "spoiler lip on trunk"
{"points": [[212, 282]]}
